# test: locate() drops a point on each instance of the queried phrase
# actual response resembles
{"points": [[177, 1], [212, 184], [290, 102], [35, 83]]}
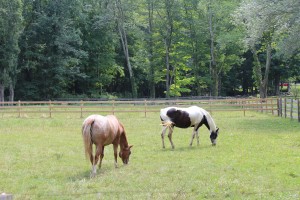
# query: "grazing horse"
{"points": [[187, 117], [102, 131]]}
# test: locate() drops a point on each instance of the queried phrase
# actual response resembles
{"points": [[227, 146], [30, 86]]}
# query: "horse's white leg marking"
{"points": [[170, 136], [97, 155], [164, 129], [94, 171], [193, 136]]}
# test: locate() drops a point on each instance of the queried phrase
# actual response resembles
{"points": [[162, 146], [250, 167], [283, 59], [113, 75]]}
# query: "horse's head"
{"points": [[213, 136], [125, 153]]}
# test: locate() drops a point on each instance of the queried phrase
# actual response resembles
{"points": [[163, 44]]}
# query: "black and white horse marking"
{"points": [[187, 117]]}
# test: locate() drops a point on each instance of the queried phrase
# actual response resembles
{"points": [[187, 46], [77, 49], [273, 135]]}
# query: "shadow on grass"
{"points": [[186, 148], [80, 176], [86, 174]]}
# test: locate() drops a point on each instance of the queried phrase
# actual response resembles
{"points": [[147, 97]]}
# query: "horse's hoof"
{"points": [[213, 144], [92, 175]]}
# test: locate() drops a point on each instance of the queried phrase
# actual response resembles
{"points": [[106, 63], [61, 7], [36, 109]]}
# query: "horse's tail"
{"points": [[168, 124], [87, 137]]}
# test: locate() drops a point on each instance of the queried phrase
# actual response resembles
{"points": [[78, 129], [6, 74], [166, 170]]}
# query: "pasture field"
{"points": [[256, 157]]}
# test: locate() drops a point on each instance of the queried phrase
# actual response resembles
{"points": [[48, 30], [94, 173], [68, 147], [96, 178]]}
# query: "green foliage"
{"points": [[10, 29], [51, 49]]}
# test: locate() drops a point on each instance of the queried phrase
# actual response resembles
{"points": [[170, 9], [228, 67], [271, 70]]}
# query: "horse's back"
{"points": [[105, 128], [163, 113], [194, 113]]}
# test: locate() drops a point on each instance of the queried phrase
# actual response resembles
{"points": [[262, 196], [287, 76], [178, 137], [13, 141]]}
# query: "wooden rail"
{"points": [[48, 108], [289, 108]]}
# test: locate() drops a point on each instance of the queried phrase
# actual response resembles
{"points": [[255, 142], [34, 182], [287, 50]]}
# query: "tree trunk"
{"points": [[168, 42], [2, 92], [262, 82], [123, 37], [11, 92], [256, 69], [168, 72], [150, 46], [264, 88], [213, 64]]}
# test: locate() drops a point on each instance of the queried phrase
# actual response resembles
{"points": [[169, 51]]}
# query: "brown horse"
{"points": [[102, 131]]}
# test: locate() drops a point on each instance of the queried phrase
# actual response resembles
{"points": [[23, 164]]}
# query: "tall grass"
{"points": [[257, 157]]}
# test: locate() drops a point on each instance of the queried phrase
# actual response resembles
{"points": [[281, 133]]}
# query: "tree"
{"points": [[120, 19], [10, 29], [265, 25], [50, 47], [99, 40], [224, 46], [150, 45]]}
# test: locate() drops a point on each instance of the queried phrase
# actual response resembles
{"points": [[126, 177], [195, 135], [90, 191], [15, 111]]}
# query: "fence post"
{"points": [[113, 107], [19, 105], [298, 110], [210, 106], [50, 113], [81, 105], [291, 113], [284, 107], [278, 107], [281, 108], [145, 106], [244, 105], [272, 106]]}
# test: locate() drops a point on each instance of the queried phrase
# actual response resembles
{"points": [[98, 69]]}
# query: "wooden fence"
{"points": [[283, 107], [289, 108], [48, 108]]}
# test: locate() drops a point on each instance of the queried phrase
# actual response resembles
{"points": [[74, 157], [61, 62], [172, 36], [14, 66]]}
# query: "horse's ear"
{"points": [[217, 130], [130, 146]]}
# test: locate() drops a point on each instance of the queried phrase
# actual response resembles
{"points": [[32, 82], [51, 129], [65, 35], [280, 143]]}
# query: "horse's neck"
{"points": [[211, 123], [123, 141]]}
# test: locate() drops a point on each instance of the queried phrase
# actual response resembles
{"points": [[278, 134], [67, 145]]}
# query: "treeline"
{"points": [[146, 48]]}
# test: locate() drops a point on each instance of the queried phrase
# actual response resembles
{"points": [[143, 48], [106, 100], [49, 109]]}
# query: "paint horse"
{"points": [[187, 117], [102, 131]]}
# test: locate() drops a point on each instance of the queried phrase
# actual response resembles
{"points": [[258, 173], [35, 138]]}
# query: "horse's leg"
{"points": [[101, 157], [116, 154], [197, 136], [97, 155], [164, 129], [193, 136], [170, 136]]}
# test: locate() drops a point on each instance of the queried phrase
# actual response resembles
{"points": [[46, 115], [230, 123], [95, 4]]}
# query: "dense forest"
{"points": [[59, 49]]}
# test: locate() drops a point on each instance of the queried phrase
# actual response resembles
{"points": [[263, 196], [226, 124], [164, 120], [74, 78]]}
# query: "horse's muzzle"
{"points": [[213, 142]]}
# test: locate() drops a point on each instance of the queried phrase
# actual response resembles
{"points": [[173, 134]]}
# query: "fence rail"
{"points": [[276, 106], [289, 108]]}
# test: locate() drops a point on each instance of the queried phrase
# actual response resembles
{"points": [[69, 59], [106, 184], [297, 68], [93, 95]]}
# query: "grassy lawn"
{"points": [[257, 157]]}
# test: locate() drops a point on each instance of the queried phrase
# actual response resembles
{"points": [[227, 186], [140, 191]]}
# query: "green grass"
{"points": [[257, 157]]}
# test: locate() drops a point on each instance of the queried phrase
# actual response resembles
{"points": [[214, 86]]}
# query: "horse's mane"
{"points": [[123, 138], [210, 121]]}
